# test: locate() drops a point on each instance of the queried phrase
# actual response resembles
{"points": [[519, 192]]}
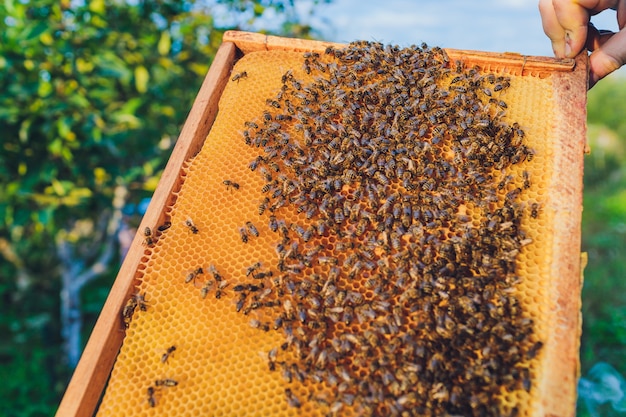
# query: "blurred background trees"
{"points": [[92, 97], [604, 240]]}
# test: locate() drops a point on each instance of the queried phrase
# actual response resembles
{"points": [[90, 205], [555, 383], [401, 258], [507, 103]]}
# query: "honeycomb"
{"points": [[224, 320]]}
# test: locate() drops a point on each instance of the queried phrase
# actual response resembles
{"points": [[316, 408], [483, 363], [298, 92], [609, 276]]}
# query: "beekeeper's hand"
{"points": [[566, 22]]}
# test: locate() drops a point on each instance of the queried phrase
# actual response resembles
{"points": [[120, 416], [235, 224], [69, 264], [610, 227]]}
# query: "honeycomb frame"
{"points": [[569, 80]]}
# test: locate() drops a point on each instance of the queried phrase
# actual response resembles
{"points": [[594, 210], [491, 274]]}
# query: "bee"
{"points": [[220, 286], [407, 399], [191, 226], [526, 383], [247, 287], [262, 275], [273, 103], [307, 66], [518, 130], [252, 268], [137, 300], [128, 311], [255, 163], [253, 306], [327, 260], [149, 241], [272, 355], [264, 293], [308, 234], [292, 400], [498, 103], [231, 184], [513, 194], [162, 228], [505, 181], [241, 301], [167, 382], [502, 85], [534, 210], [532, 352], [252, 229], [283, 117], [239, 76], [287, 76], [339, 215], [301, 313], [243, 234], [288, 307], [273, 223], [204, 291], [215, 273], [167, 353], [266, 175], [251, 125], [263, 205], [296, 84], [151, 398], [193, 275], [526, 177], [311, 55], [279, 321]]}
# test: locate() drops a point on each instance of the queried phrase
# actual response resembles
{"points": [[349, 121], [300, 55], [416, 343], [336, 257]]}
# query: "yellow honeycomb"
{"points": [[222, 357]]}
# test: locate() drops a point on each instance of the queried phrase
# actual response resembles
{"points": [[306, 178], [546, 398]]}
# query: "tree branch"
{"points": [[75, 275]]}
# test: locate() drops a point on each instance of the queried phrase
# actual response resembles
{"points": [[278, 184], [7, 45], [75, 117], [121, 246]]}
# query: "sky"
{"points": [[486, 25]]}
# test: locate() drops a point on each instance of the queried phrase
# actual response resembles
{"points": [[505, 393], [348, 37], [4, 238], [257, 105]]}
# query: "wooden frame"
{"points": [[84, 390]]}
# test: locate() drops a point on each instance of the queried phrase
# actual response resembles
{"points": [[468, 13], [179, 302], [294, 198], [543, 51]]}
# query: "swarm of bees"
{"points": [[402, 159]]}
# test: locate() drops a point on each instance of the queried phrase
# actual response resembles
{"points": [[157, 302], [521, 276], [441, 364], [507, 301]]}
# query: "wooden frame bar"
{"points": [[516, 64]]}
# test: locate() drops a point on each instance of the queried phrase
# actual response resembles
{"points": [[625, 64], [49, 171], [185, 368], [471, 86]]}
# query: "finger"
{"points": [[621, 14], [552, 28], [608, 57], [574, 19]]}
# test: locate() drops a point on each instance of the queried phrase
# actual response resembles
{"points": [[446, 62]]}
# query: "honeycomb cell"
{"points": [[331, 278]]}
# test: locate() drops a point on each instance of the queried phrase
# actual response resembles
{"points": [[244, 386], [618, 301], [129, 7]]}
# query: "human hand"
{"points": [[566, 22]]}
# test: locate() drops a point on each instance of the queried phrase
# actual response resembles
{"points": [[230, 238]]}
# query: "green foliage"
{"points": [[606, 105], [91, 96], [88, 93], [273, 15], [604, 230]]}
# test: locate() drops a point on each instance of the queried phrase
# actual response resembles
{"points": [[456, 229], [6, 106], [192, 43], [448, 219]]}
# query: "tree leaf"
{"points": [[165, 43], [34, 31], [142, 76]]}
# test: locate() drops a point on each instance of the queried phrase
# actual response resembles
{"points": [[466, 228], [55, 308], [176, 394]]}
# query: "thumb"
{"points": [[610, 56]]}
